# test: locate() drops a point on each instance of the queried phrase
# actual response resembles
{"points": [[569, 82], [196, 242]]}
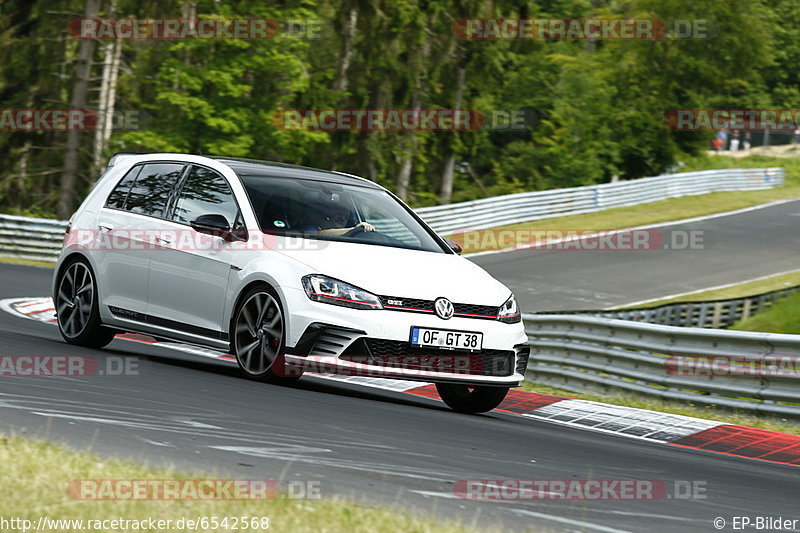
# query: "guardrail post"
{"points": [[746, 309], [715, 317]]}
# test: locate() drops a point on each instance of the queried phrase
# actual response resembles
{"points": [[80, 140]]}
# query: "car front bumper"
{"points": [[323, 338]]}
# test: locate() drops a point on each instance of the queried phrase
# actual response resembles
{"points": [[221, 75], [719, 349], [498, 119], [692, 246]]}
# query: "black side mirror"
{"points": [[216, 225], [453, 245]]}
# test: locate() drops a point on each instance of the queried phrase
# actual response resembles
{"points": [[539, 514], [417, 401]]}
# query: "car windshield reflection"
{"points": [[334, 211]]}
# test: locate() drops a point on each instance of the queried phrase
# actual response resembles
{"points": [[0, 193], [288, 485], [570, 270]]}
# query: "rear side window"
{"points": [[152, 188], [205, 193], [116, 200]]}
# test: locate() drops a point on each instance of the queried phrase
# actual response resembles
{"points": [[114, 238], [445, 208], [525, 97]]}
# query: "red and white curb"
{"points": [[653, 426]]}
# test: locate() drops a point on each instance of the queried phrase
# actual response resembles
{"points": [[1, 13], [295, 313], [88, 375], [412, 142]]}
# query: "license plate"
{"points": [[445, 338]]}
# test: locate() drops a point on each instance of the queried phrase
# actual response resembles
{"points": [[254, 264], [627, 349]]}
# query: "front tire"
{"points": [[77, 306], [258, 337], [471, 400]]}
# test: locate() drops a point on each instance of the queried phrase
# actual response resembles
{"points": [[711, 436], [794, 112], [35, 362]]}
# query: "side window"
{"points": [[152, 188], [205, 193], [116, 200]]}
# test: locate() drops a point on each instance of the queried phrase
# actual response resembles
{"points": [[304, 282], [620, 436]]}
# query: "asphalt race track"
{"points": [[735, 248], [362, 444]]}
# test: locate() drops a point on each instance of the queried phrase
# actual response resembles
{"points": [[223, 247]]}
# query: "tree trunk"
{"points": [[78, 101], [112, 93], [446, 186], [105, 107], [404, 175], [105, 104], [407, 159], [347, 51]]}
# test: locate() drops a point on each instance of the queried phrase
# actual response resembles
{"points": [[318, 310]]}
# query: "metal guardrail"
{"points": [[709, 314], [585, 353], [526, 206], [40, 239]]}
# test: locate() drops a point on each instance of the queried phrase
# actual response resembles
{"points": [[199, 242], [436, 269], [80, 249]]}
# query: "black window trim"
{"points": [[125, 200], [170, 199]]}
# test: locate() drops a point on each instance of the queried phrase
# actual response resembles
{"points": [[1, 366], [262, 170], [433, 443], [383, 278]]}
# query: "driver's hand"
{"points": [[366, 225]]}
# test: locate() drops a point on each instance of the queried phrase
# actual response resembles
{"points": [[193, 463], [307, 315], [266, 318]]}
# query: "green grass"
{"points": [[674, 407], [35, 476], [750, 288], [668, 210], [27, 262], [782, 317]]}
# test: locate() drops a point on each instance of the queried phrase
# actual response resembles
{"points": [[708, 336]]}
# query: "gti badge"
{"points": [[444, 308]]}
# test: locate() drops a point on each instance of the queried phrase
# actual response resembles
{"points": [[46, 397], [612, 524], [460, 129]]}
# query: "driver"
{"points": [[337, 216]]}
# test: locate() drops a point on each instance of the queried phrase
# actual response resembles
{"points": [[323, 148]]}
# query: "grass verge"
{"points": [[665, 210], [782, 317], [26, 262], [35, 476], [677, 408], [740, 290]]}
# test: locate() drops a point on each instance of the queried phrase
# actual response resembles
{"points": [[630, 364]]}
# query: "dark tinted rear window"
{"points": [[152, 188], [116, 199]]}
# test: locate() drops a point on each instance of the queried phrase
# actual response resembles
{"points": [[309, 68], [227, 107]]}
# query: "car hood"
{"points": [[403, 273]]}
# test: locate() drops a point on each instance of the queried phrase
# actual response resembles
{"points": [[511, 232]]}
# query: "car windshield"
{"points": [[333, 211]]}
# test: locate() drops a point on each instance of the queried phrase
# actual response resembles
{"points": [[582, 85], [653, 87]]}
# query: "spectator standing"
{"points": [[746, 143], [722, 135], [734, 141]]}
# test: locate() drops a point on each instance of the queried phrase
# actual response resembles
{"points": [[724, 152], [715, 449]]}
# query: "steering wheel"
{"points": [[355, 231]]}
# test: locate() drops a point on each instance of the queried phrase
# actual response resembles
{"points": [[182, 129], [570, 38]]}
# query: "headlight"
{"points": [[509, 312], [332, 291]]}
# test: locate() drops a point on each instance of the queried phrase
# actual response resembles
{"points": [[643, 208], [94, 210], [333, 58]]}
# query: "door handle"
{"points": [[163, 240], [104, 227]]}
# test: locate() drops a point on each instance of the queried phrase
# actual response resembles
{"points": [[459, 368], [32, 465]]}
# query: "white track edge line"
{"points": [[623, 230]]}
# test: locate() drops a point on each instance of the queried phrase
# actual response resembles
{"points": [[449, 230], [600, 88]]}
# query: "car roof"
{"points": [[271, 169]]}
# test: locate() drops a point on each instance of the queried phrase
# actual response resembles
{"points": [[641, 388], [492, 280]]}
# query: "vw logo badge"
{"points": [[444, 308]]}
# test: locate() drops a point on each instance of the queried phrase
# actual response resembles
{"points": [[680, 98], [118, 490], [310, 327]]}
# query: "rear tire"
{"points": [[76, 304], [258, 337], [471, 400]]}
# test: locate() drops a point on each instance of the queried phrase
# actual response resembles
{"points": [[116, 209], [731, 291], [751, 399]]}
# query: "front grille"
{"points": [[477, 311], [408, 304], [402, 355], [415, 305]]}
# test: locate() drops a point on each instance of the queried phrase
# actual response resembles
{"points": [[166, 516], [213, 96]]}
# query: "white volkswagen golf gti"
{"points": [[291, 269]]}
